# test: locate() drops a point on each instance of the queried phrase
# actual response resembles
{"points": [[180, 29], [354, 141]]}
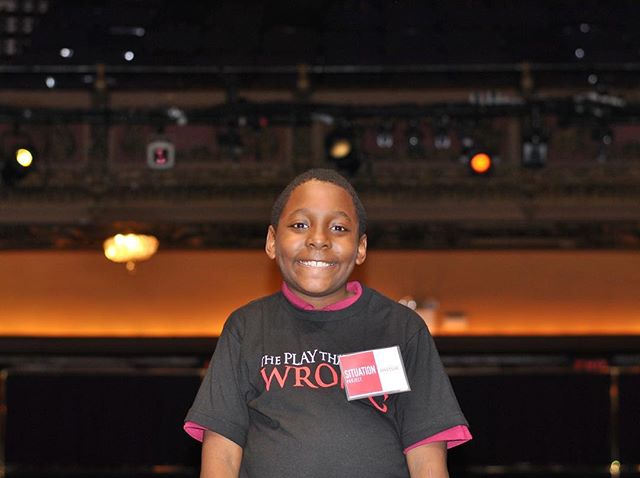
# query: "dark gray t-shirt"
{"points": [[274, 388]]}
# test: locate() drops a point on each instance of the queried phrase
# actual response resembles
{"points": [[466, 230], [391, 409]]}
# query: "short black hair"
{"points": [[326, 176]]}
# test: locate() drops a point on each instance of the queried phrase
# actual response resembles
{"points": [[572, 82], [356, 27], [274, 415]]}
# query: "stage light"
{"points": [[340, 148], [384, 138], [467, 142], [442, 136], [18, 156], [480, 163], [534, 151], [24, 157], [339, 144], [603, 135], [585, 27], [442, 140], [161, 154], [178, 115], [414, 139]]}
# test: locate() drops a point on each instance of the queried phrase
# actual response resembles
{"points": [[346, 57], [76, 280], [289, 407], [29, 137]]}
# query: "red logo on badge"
{"points": [[360, 374]]}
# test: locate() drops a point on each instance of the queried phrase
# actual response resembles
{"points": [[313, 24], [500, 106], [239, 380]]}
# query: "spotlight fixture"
{"points": [[442, 137], [414, 139], [384, 138], [340, 148], [178, 115], [161, 154], [534, 143], [603, 135], [442, 140], [467, 143], [339, 144], [480, 163], [24, 157], [18, 156], [534, 151]]}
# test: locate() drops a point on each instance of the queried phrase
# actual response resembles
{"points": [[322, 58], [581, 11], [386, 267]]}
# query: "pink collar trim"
{"points": [[354, 287]]}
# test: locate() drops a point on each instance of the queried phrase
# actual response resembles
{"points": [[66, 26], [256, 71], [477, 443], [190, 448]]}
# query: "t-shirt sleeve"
{"points": [[221, 404], [431, 406]]}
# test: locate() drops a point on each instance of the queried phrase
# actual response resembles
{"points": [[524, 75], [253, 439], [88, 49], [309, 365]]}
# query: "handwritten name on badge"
{"points": [[373, 372]]}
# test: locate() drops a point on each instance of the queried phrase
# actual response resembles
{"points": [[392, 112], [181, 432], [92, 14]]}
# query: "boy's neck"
{"points": [[354, 288]]}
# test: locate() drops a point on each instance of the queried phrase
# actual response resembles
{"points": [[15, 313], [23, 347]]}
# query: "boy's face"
{"points": [[316, 244]]}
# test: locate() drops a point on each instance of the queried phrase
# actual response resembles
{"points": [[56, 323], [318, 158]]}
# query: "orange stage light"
{"points": [[480, 163]]}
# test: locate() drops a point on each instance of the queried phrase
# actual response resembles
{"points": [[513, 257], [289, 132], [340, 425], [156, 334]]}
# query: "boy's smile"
{"points": [[317, 243]]}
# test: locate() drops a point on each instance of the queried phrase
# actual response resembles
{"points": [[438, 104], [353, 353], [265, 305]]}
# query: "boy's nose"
{"points": [[317, 238]]}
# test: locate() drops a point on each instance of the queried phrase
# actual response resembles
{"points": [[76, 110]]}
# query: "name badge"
{"points": [[373, 372]]}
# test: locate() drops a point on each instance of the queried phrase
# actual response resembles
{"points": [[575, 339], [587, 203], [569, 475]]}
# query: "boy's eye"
{"points": [[298, 225], [339, 228]]}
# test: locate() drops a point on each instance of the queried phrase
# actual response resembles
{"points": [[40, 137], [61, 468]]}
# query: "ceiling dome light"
{"points": [[130, 248]]}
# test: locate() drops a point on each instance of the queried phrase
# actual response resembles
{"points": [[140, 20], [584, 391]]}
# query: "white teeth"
{"points": [[316, 263]]}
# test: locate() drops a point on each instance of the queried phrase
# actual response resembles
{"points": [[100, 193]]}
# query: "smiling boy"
{"points": [[316, 242], [273, 404]]}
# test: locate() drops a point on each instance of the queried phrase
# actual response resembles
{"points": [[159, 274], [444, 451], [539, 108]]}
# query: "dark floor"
{"points": [[548, 415], [193, 473]]}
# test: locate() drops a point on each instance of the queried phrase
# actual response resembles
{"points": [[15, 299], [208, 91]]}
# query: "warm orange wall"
{"points": [[191, 293], [522, 292]]}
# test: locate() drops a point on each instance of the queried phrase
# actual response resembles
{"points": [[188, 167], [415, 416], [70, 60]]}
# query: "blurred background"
{"points": [[496, 146]]}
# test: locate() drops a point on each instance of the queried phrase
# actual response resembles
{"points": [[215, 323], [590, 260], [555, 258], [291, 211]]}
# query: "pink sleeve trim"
{"points": [[454, 436], [194, 430]]}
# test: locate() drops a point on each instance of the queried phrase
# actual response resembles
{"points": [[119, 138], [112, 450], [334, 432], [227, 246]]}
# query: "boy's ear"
{"points": [[362, 250], [270, 243]]}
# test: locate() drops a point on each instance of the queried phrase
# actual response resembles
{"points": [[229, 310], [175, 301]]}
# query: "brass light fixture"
{"points": [[130, 248]]}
